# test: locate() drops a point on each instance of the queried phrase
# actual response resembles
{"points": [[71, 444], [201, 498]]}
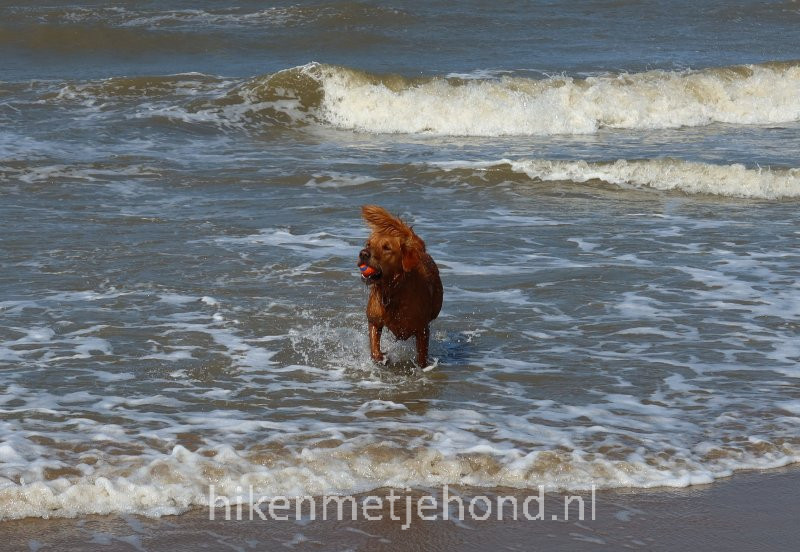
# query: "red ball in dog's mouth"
{"points": [[367, 271]]}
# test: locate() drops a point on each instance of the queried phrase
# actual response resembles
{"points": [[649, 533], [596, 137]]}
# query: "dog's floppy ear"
{"points": [[410, 257], [382, 222]]}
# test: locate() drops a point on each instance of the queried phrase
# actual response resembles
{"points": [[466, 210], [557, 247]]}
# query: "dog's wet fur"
{"points": [[405, 288]]}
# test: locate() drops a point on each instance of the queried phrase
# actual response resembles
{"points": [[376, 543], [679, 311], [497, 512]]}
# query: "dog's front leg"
{"points": [[375, 341], [422, 346]]}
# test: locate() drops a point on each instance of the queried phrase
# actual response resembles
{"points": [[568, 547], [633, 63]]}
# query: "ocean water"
{"points": [[610, 189]]}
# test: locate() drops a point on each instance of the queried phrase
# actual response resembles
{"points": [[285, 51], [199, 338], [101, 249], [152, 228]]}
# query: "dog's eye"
{"points": [[387, 247]]}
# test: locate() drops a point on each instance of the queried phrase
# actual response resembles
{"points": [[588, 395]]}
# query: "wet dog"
{"points": [[405, 288]]}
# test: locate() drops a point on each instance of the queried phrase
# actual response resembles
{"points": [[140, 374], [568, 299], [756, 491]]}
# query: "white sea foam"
{"points": [[172, 483], [660, 174], [753, 94], [448, 445]]}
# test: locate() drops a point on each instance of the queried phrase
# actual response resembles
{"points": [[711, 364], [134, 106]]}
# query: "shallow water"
{"points": [[616, 229]]}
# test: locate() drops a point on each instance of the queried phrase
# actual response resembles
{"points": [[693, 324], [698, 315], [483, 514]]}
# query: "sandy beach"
{"points": [[747, 512]]}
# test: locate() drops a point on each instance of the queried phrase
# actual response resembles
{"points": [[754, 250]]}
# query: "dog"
{"points": [[405, 288]]}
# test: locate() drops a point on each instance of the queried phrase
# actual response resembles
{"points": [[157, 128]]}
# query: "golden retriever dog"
{"points": [[405, 289]]}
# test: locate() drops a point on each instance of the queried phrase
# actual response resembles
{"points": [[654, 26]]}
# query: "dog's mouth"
{"points": [[370, 274]]}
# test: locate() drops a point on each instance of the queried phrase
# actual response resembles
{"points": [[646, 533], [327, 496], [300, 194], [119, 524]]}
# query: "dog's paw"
{"points": [[430, 367]]}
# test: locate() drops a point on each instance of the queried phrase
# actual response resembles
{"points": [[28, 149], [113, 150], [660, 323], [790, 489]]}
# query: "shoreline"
{"points": [[749, 510]]}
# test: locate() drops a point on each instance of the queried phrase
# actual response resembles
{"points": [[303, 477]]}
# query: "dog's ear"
{"points": [[410, 257], [382, 222]]}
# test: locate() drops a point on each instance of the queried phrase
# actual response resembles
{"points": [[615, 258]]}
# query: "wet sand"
{"points": [[750, 511]]}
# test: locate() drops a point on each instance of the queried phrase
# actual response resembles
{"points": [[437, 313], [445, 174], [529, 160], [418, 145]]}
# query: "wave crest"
{"points": [[452, 106], [756, 94], [734, 180], [486, 105]]}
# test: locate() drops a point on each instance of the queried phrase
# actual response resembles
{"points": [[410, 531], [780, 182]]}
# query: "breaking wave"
{"points": [[175, 482], [661, 174], [489, 104], [349, 99]]}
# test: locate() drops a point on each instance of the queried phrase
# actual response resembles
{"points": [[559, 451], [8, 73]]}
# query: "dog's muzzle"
{"points": [[369, 273]]}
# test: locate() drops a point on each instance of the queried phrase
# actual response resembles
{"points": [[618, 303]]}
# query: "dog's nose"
{"points": [[363, 256]]}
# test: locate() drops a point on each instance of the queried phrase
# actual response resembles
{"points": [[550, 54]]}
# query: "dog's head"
{"points": [[392, 248]]}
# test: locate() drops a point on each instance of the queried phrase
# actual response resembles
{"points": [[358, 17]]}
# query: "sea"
{"points": [[610, 189]]}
